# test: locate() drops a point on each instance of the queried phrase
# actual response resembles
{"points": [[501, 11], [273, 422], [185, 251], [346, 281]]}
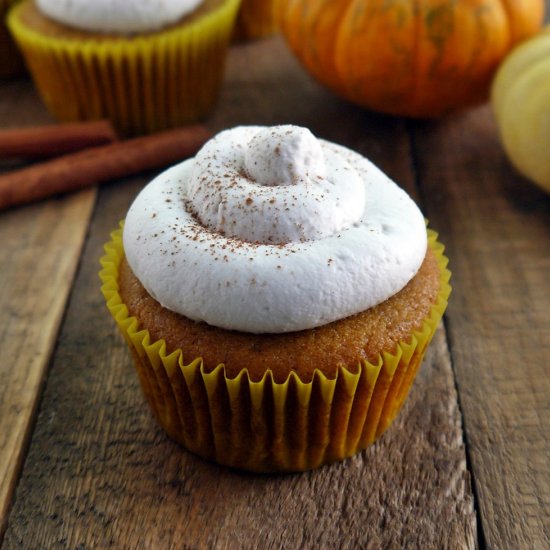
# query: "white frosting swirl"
{"points": [[117, 16], [272, 230]]}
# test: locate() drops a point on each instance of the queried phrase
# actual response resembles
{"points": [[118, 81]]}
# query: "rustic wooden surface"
{"points": [[34, 241], [497, 230], [91, 469]]}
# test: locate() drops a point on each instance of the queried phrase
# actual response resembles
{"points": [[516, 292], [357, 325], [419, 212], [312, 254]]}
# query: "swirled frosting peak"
{"points": [[273, 186], [273, 230], [117, 16], [284, 155]]}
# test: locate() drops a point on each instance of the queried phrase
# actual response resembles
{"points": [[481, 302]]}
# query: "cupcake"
{"points": [[147, 65], [11, 61], [257, 18], [277, 293]]}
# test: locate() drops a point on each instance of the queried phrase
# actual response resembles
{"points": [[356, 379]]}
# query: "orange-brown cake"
{"points": [[144, 80], [343, 343], [31, 16], [278, 293]]}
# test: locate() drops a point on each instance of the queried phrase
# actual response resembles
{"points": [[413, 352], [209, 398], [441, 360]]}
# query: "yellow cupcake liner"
{"points": [[11, 60], [142, 84], [257, 18], [266, 426]]}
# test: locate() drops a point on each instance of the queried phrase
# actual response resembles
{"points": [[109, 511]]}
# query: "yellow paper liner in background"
{"points": [[144, 84], [11, 60], [257, 19], [267, 426]]}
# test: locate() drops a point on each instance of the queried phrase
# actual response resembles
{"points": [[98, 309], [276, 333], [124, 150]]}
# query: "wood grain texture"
{"points": [[38, 259], [497, 229], [101, 474]]}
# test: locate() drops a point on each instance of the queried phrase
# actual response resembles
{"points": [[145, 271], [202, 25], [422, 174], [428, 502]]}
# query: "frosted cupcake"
{"points": [[145, 64], [277, 293]]}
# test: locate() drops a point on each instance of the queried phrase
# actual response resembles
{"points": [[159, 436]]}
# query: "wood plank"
{"points": [[496, 226], [39, 252], [101, 474]]}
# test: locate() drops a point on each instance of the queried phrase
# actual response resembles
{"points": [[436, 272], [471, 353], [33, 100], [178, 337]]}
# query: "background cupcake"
{"points": [[276, 320], [257, 18], [144, 65], [11, 61]]}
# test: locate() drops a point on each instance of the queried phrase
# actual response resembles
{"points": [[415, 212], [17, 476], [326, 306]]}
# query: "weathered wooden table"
{"points": [[83, 464]]}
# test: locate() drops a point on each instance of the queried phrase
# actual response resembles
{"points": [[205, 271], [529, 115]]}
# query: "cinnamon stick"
{"points": [[100, 164], [54, 139]]}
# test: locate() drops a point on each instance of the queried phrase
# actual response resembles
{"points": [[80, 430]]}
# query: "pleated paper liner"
{"points": [[257, 19], [266, 426], [142, 84], [11, 60]]}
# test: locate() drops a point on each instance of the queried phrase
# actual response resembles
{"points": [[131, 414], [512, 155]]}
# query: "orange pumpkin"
{"points": [[408, 57]]}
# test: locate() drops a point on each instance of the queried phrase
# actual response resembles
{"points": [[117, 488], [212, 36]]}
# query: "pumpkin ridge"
{"points": [[416, 79], [509, 21], [522, 23], [342, 85]]}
